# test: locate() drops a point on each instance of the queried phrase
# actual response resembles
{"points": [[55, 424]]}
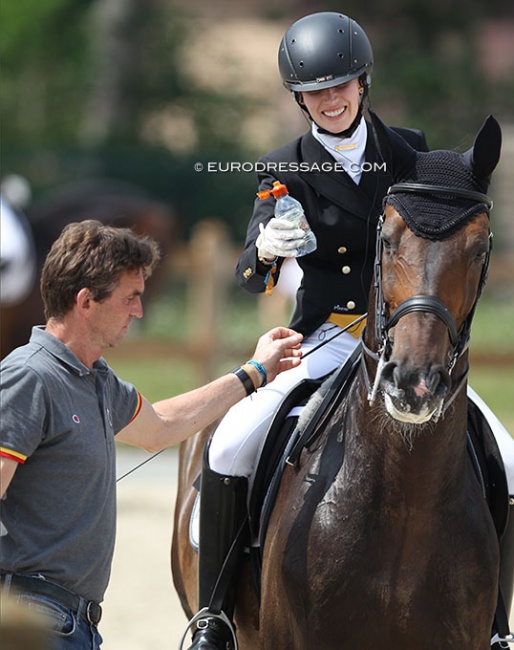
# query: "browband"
{"points": [[422, 188]]}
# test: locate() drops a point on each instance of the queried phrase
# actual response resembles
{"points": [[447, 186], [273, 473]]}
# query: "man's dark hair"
{"points": [[90, 255]]}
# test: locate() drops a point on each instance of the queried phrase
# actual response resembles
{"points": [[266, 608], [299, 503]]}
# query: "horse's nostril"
{"points": [[388, 372], [438, 380], [401, 377]]}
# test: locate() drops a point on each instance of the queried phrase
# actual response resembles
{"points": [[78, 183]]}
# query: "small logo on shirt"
{"points": [[75, 418]]}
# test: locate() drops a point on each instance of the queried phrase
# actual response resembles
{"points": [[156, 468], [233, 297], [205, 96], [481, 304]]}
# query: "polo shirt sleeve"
{"points": [[25, 406], [125, 401]]}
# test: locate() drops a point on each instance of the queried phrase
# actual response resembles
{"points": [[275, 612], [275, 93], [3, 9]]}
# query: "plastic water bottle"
{"points": [[289, 208]]}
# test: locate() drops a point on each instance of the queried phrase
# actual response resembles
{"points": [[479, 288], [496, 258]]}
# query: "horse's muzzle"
{"points": [[411, 395]]}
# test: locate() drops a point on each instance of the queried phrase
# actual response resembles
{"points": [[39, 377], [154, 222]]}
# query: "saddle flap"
{"points": [[491, 465], [278, 435]]}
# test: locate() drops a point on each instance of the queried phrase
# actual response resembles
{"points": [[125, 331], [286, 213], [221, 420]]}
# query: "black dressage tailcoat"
{"points": [[344, 217]]}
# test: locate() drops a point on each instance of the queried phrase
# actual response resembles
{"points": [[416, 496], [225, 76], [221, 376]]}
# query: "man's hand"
{"points": [[278, 350], [280, 238]]}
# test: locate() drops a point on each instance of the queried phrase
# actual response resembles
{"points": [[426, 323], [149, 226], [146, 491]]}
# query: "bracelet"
{"points": [[253, 373], [245, 378], [261, 369]]}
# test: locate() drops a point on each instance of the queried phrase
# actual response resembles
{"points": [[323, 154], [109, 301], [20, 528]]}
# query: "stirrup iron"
{"points": [[203, 615], [509, 639]]}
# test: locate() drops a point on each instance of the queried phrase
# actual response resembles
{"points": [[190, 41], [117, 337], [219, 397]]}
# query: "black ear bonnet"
{"points": [[421, 178]]}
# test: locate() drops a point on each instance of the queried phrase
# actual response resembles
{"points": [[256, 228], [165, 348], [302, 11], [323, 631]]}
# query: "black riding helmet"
{"points": [[323, 50]]}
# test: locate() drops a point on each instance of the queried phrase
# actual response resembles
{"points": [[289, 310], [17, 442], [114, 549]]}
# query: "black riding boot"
{"points": [[223, 511], [507, 569]]}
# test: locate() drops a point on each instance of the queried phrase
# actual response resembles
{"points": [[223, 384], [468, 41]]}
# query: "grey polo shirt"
{"points": [[59, 419]]}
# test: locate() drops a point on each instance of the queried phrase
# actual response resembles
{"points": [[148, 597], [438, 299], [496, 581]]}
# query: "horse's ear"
{"points": [[485, 153], [398, 155]]}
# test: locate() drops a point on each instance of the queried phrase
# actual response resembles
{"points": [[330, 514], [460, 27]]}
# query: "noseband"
{"points": [[430, 304], [426, 303]]}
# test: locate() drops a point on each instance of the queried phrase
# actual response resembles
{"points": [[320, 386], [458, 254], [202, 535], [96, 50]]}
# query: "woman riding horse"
{"points": [[326, 60]]}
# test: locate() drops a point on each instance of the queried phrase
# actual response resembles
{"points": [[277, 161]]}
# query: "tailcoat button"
{"points": [[247, 273], [346, 270], [342, 250], [350, 304]]}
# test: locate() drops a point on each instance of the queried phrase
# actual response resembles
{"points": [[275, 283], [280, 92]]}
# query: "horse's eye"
{"points": [[480, 257], [386, 244]]}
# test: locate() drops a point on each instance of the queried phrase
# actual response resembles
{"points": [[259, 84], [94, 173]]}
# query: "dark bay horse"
{"points": [[380, 536]]}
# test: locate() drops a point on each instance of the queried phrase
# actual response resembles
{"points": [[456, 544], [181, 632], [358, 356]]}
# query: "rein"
{"points": [[147, 460], [341, 331], [317, 347]]}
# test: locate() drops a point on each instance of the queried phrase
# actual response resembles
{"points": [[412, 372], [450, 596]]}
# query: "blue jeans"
{"points": [[66, 629]]}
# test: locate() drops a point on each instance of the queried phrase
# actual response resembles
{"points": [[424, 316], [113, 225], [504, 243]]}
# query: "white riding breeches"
{"points": [[240, 435], [238, 438]]}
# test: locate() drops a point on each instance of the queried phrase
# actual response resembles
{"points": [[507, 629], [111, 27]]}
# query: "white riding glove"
{"points": [[280, 238]]}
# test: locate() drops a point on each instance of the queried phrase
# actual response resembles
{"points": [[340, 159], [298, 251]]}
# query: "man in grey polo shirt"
{"points": [[62, 407]]}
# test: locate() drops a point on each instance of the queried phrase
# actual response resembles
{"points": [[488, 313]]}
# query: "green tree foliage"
{"points": [[64, 60], [44, 61]]}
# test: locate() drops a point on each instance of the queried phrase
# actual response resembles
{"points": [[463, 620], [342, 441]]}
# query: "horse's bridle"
{"points": [[426, 303]]}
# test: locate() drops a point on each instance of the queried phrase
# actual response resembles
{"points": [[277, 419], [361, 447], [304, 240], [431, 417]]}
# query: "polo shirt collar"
{"points": [[60, 351]]}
